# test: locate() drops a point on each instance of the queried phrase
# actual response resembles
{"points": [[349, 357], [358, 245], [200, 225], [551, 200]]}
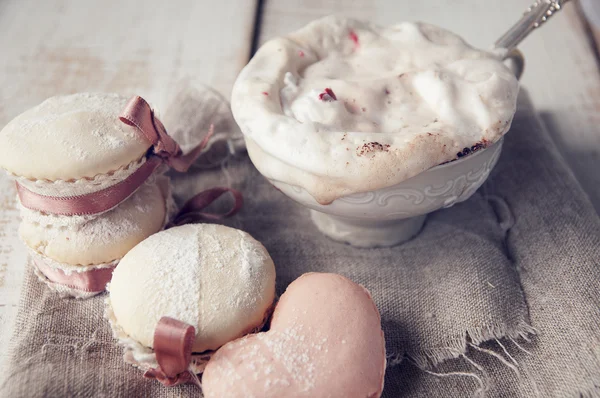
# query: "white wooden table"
{"points": [[146, 47]]}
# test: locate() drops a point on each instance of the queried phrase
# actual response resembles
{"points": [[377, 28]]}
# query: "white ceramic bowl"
{"points": [[392, 215]]}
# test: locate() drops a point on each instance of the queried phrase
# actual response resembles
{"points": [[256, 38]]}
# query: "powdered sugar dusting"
{"points": [[108, 140], [81, 154], [179, 275], [80, 135], [295, 354], [102, 112], [279, 358]]}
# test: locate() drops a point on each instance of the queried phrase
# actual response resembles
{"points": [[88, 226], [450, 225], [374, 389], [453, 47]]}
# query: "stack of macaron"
{"points": [[89, 171]]}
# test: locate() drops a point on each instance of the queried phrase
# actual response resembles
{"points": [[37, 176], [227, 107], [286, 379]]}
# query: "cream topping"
{"points": [[343, 106]]}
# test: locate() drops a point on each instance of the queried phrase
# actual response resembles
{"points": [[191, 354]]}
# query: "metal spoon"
{"points": [[533, 17]]}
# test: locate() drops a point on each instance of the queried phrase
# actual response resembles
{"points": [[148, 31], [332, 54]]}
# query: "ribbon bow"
{"points": [[173, 341], [138, 113]]}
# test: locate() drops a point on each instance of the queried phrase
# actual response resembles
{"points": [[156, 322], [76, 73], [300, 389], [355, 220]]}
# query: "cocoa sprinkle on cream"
{"points": [[371, 147]]}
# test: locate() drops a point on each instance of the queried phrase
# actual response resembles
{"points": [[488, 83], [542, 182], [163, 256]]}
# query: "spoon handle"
{"points": [[533, 17]]}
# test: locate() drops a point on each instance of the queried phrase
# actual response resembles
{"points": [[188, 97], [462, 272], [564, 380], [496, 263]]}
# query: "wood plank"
{"points": [[143, 47], [561, 73], [590, 11]]}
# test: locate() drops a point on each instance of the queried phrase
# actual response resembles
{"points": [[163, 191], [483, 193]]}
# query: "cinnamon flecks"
{"points": [[371, 147], [354, 37], [467, 151], [328, 95]]}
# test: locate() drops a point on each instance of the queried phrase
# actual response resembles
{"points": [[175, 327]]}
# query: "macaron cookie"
{"points": [[88, 240], [216, 279], [325, 340], [63, 248], [72, 145]]}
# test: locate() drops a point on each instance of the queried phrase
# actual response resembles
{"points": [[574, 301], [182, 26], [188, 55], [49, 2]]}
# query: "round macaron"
{"points": [[72, 145], [97, 239], [217, 279]]}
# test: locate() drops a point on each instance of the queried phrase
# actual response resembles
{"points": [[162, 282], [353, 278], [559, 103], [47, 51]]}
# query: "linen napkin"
{"points": [[497, 296]]}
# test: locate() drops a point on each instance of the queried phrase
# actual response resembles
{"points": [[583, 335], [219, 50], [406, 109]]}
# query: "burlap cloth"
{"points": [[498, 296]]}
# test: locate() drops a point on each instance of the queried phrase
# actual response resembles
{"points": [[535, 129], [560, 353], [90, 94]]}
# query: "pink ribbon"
{"points": [[173, 342], [137, 113], [192, 210], [93, 281], [92, 203]]}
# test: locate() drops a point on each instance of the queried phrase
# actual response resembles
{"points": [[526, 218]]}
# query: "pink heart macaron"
{"points": [[325, 340]]}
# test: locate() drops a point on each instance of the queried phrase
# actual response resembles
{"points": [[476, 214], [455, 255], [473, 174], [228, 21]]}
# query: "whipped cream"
{"points": [[342, 106]]}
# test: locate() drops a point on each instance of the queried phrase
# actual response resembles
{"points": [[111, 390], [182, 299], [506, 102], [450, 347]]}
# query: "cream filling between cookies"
{"points": [[81, 186]]}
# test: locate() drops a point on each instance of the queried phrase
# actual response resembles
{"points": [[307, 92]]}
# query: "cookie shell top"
{"points": [[218, 279], [69, 138]]}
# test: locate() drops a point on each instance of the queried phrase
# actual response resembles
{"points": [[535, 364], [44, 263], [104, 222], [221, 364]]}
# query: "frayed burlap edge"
{"points": [[458, 346]]}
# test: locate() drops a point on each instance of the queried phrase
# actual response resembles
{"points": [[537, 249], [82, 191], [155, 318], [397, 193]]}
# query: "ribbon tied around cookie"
{"points": [[173, 341], [138, 113], [165, 149]]}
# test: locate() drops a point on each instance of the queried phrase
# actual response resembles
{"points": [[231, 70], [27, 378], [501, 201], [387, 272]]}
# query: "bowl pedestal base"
{"points": [[367, 233]]}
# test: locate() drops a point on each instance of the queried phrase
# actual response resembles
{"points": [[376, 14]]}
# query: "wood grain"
{"points": [[591, 22], [143, 47], [561, 74]]}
